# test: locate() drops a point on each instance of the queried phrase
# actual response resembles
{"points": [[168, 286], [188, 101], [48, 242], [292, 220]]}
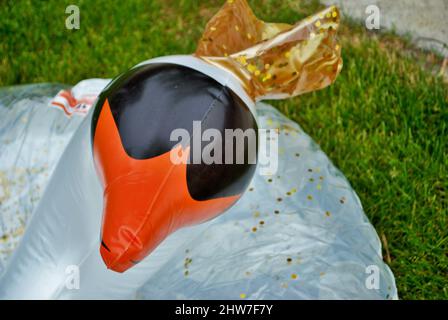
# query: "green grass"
{"points": [[383, 123]]}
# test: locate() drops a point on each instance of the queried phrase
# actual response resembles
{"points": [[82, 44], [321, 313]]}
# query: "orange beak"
{"points": [[144, 200]]}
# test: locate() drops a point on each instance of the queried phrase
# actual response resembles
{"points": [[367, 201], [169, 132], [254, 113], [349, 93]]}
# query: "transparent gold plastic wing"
{"points": [[273, 60]]}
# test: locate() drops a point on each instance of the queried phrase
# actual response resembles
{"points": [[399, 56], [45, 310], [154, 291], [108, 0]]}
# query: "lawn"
{"points": [[384, 122]]}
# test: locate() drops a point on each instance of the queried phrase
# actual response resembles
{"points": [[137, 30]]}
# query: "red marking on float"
{"points": [[144, 200]]}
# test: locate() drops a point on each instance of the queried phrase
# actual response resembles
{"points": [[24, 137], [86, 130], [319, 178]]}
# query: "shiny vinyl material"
{"points": [[146, 195], [50, 189], [273, 60]]}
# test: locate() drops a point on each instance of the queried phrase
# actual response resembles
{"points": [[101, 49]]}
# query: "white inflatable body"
{"points": [[300, 234]]}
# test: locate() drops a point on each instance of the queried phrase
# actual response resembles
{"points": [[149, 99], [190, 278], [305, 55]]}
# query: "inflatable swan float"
{"points": [[133, 223]]}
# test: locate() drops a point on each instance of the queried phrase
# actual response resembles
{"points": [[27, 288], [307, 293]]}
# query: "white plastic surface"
{"points": [[312, 238]]}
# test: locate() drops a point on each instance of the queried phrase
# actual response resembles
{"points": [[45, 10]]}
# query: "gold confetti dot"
{"points": [[230, 1], [288, 54], [249, 36], [336, 47], [317, 24], [242, 60], [279, 199], [267, 77], [294, 276], [186, 273], [261, 222], [254, 229], [237, 28], [251, 189], [328, 15], [257, 72], [243, 296], [269, 180], [319, 187], [256, 214], [188, 261], [213, 28], [267, 66], [334, 14], [328, 213], [251, 68], [310, 197]]}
